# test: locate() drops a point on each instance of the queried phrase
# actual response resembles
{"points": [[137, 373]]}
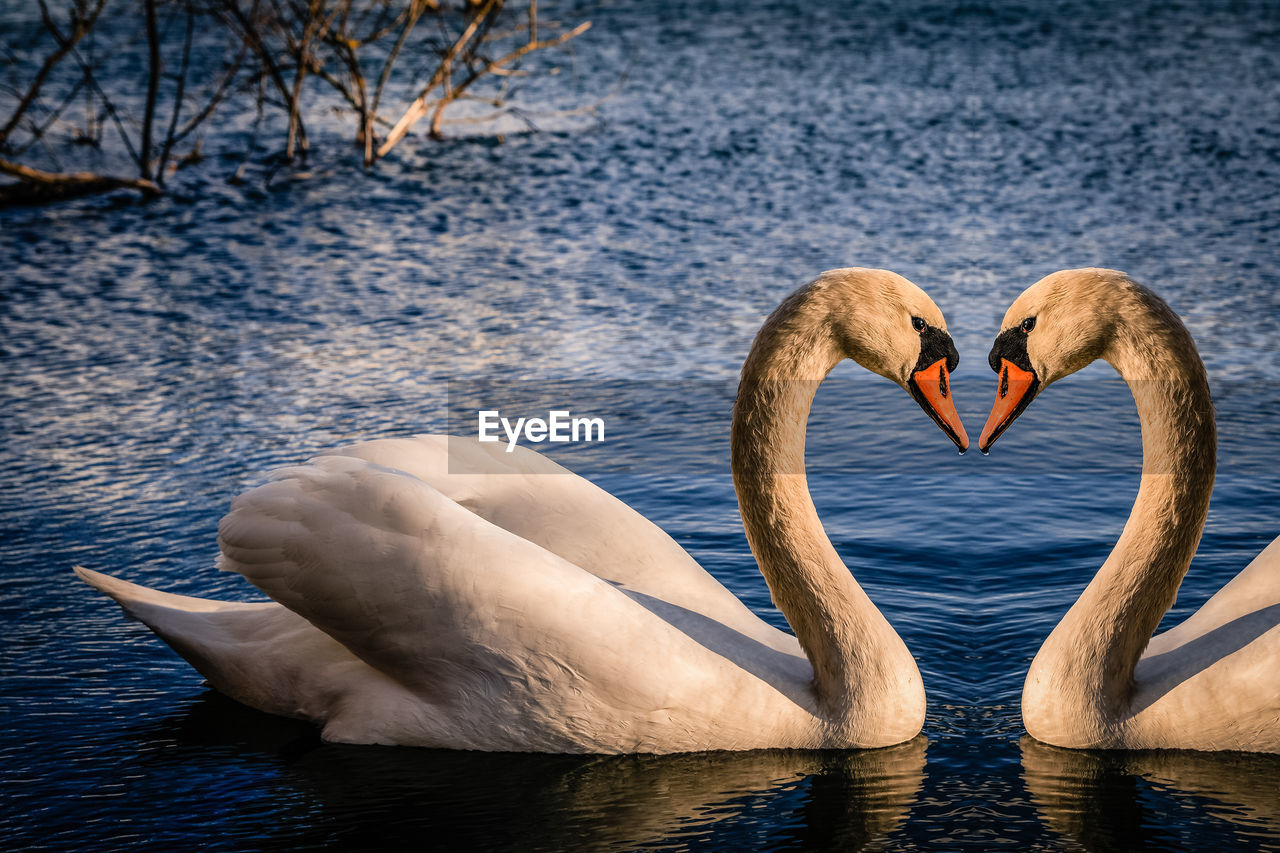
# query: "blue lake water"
{"points": [[159, 358]]}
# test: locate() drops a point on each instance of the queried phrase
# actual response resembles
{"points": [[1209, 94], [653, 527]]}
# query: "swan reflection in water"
{"points": [[835, 799], [1101, 799]]}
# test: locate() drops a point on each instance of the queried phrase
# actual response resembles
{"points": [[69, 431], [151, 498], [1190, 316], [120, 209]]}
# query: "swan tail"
{"points": [[137, 600], [260, 654]]}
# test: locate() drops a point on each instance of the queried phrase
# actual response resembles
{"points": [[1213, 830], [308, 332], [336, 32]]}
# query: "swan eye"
{"points": [[1028, 324], [918, 324]]}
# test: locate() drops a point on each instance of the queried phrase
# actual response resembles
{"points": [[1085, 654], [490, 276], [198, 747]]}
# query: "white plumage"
{"points": [[437, 591], [1101, 680]]}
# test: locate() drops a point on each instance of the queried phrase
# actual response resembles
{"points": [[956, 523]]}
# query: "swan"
{"points": [[1101, 680], [437, 591]]}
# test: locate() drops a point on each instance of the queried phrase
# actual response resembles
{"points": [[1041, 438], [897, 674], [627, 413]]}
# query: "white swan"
{"points": [[1100, 680], [436, 591]]}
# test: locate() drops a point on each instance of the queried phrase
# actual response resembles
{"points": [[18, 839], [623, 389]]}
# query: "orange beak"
{"points": [[934, 386], [1012, 396]]}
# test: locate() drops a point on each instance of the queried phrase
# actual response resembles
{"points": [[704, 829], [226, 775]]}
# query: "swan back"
{"points": [[501, 643], [543, 502]]}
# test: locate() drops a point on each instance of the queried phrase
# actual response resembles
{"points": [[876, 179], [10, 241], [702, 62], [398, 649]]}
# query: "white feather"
{"points": [[436, 591]]}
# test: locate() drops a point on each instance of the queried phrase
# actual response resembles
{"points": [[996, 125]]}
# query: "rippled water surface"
{"points": [[159, 358]]}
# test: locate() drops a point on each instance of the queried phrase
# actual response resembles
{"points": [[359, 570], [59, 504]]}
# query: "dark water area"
{"points": [[159, 358]]}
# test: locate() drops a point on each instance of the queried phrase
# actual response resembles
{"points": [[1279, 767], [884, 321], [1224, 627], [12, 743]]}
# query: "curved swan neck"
{"points": [[1096, 647], [860, 664]]}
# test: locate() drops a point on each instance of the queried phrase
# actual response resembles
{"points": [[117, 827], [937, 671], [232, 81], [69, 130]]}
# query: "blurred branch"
{"points": [[463, 54], [418, 108], [38, 185], [250, 29], [39, 130], [363, 50], [314, 29], [83, 17], [154, 65], [170, 136], [497, 64], [415, 12], [218, 95]]}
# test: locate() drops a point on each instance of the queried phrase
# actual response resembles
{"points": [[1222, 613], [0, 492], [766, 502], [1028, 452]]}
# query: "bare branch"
{"points": [[219, 92], [154, 66], [415, 12], [315, 29], [250, 32], [353, 46], [107, 105], [81, 24], [418, 108], [514, 55], [39, 185], [170, 137], [38, 131]]}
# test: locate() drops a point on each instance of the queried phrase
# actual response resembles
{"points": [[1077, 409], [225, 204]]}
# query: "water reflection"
{"points": [[815, 800], [1116, 800]]}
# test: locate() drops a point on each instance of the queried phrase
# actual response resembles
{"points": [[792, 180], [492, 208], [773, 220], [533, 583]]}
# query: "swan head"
{"points": [[1057, 326], [891, 327]]}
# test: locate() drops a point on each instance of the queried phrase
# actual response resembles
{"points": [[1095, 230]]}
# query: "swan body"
{"points": [[436, 591], [1101, 680]]}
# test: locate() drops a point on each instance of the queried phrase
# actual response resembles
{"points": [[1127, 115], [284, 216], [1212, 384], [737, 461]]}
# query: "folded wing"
{"points": [[492, 631]]}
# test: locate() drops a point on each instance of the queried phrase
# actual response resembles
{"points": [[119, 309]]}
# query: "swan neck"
{"points": [[1097, 646], [860, 664]]}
